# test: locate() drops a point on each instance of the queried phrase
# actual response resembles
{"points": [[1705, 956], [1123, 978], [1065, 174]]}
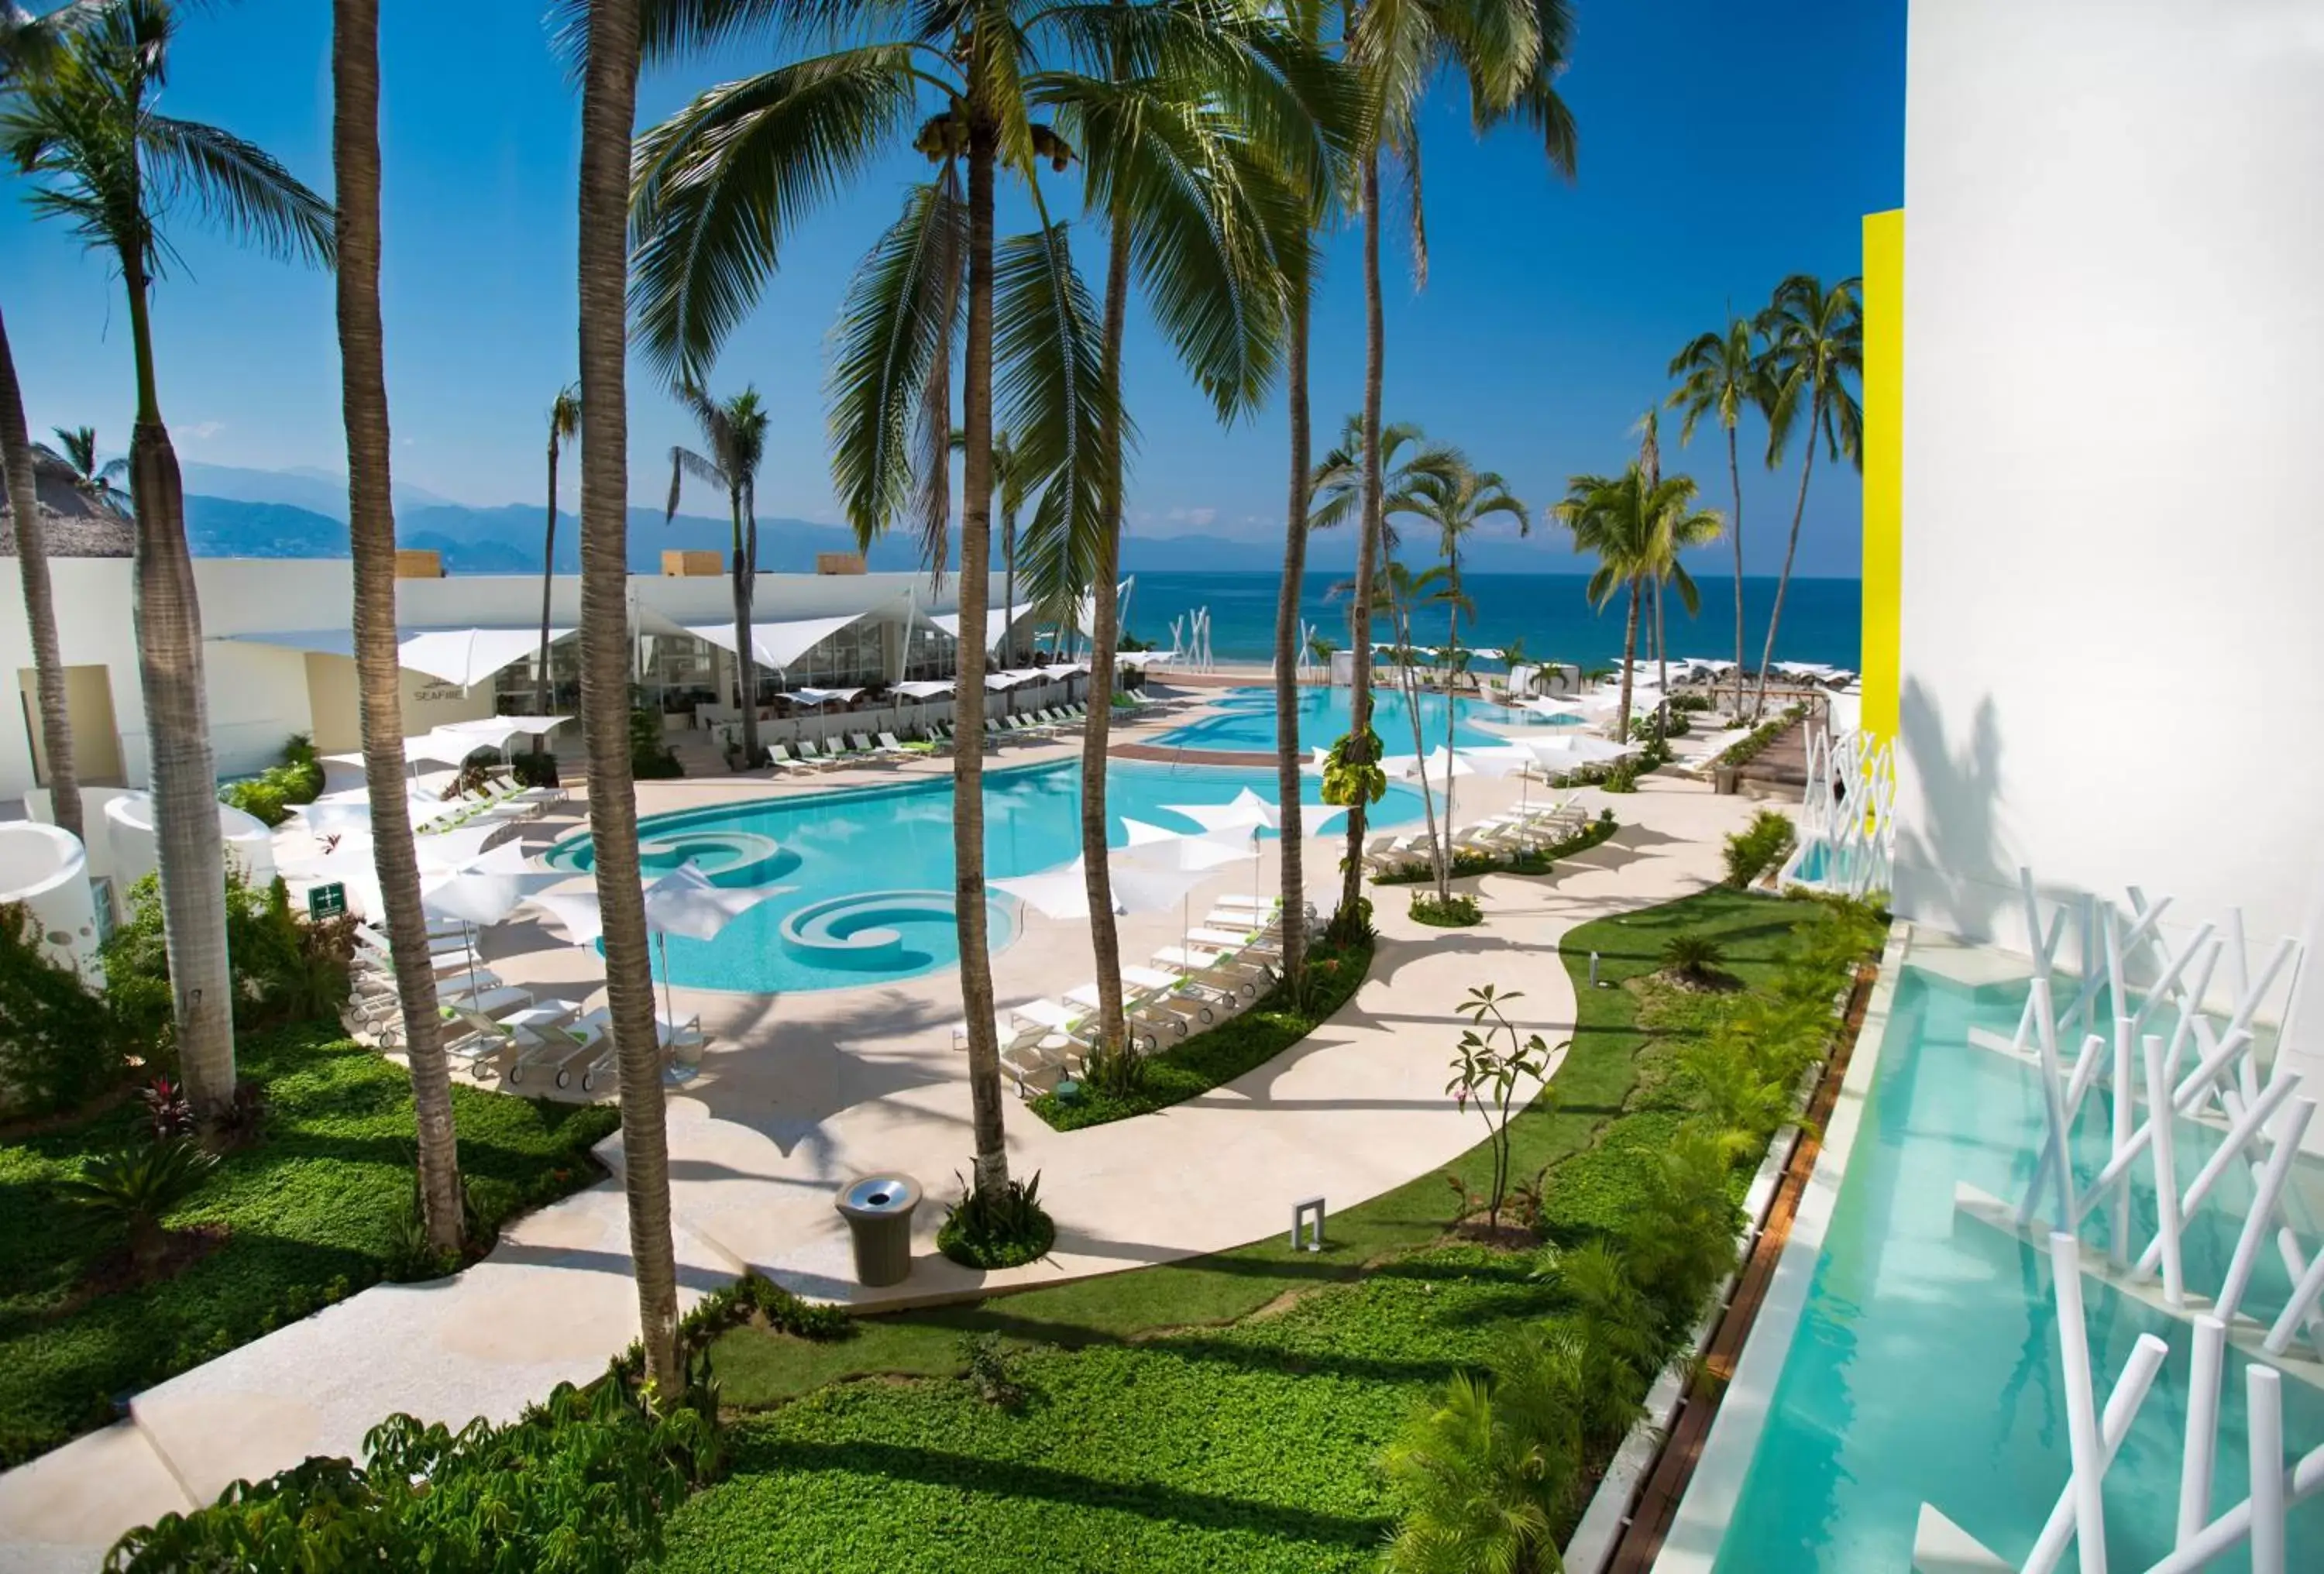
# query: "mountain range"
{"points": [[232, 512]]}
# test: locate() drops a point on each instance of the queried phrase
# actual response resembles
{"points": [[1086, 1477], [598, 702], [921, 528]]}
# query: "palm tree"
{"points": [[735, 433], [371, 536], [1650, 465], [99, 481], [1455, 498], [1721, 374], [1631, 527], [1402, 591], [29, 46], [1336, 486], [1509, 53], [564, 426], [720, 187], [1815, 344], [1011, 483], [103, 157], [608, 109]]}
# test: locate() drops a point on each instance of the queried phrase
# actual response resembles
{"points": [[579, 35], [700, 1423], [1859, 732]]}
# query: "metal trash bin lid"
{"points": [[880, 1197]]}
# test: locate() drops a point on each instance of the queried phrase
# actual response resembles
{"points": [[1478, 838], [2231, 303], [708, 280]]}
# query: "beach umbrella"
{"points": [[1063, 892], [684, 902]]}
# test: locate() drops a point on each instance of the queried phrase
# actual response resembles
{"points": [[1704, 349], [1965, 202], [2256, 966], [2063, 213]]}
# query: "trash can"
{"points": [[1722, 780], [879, 1213]]}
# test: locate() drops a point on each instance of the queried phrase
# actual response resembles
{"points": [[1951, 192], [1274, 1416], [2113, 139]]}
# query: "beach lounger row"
{"points": [[1512, 831]]}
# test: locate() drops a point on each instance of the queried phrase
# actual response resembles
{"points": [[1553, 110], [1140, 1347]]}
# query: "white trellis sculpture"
{"points": [[1199, 632], [1305, 666], [1178, 640], [1850, 807]]}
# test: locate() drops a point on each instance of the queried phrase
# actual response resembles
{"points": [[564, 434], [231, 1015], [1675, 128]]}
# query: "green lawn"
{"points": [[310, 1210], [1168, 1426]]}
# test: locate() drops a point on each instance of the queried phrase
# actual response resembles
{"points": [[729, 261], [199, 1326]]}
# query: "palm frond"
{"points": [[717, 189], [1050, 392], [239, 188]]}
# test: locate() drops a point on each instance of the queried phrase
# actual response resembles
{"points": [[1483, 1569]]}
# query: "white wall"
{"points": [[2113, 531]]}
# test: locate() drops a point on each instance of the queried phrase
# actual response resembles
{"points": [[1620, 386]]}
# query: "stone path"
{"points": [[800, 1092]]}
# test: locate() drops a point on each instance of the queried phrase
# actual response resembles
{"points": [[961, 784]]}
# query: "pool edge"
{"points": [[1691, 1546]]}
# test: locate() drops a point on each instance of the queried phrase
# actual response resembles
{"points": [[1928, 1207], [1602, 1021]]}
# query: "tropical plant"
{"points": [[1721, 374], [998, 1225], [58, 1043], [1402, 591], [564, 426], [99, 480], [29, 46], [1722, 1081], [1483, 1478], [1508, 53], [1336, 486], [1621, 1347], [1635, 529], [606, 33], [1814, 340], [991, 1369], [1679, 1235], [103, 158], [1763, 842], [1492, 1062], [371, 537], [1012, 484], [735, 430], [1454, 498], [1693, 956], [138, 1185]]}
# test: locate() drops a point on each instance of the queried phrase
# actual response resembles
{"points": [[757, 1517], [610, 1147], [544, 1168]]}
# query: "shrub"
{"points": [[1456, 911], [285, 969], [1484, 1477], [59, 1045], [537, 769], [140, 1183], [989, 1368], [1679, 1235], [1750, 746], [1695, 957], [1682, 703], [1758, 846], [268, 795], [650, 758], [578, 1486], [998, 1227], [1115, 1073]]}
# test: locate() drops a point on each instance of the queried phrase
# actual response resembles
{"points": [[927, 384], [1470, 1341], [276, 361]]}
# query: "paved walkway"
{"points": [[800, 1092]]}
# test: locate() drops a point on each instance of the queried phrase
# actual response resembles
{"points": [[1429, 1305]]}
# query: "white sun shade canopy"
{"points": [[467, 657], [776, 644], [950, 621]]}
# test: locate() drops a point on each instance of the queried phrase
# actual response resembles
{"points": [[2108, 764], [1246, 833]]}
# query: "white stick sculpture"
{"points": [[1849, 807]]}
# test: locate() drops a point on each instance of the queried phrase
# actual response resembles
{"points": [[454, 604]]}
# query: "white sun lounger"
{"points": [[595, 1032]]}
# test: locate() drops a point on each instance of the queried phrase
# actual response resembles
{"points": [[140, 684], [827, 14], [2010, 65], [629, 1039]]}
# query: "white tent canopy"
{"points": [[776, 645], [950, 621], [822, 696], [921, 688], [467, 657]]}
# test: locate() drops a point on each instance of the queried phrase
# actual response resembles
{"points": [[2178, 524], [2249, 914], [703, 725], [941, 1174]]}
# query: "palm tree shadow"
{"points": [[1951, 867]]}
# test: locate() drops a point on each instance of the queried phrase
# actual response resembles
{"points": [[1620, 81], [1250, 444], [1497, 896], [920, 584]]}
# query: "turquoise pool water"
{"points": [[1926, 1366], [1246, 720], [871, 868]]}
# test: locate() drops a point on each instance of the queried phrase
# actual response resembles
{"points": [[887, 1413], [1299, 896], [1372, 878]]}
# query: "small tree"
{"points": [[1488, 1074]]}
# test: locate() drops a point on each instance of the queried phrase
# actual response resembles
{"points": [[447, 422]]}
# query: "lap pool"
{"points": [[1926, 1365], [871, 868], [1245, 720]]}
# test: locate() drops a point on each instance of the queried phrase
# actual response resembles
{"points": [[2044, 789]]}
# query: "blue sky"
{"points": [[1723, 146]]}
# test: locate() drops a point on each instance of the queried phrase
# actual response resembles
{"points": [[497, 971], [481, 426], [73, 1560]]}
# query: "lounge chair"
{"points": [[594, 1033], [1216, 968], [1146, 1027], [890, 746]]}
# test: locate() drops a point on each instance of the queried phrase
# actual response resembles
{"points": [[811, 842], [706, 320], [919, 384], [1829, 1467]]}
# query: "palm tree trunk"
{"points": [[1440, 851], [1735, 481], [1009, 586], [746, 665], [1661, 666], [1784, 582], [540, 695], [1360, 697], [1451, 670], [991, 1162], [39, 604], [1105, 637], [181, 770], [1287, 758], [608, 108], [371, 534], [1629, 657]]}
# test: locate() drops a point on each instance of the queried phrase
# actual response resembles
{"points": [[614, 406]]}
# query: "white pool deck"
{"points": [[800, 1092]]}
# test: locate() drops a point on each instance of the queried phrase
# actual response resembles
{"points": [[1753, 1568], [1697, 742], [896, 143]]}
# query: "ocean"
{"points": [[1823, 618]]}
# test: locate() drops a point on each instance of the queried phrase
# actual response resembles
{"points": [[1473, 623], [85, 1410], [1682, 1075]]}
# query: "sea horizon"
{"points": [[1822, 619]]}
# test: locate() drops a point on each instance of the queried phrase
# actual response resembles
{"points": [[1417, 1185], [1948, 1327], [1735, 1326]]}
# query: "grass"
{"points": [[310, 1213], [1225, 1412], [1249, 1039]]}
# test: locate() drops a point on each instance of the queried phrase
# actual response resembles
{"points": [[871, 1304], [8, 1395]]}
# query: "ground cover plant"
{"points": [[1218, 1054], [305, 1214], [269, 795]]}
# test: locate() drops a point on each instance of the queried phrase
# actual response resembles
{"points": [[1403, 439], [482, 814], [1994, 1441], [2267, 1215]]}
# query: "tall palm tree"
{"points": [[1010, 483], [1454, 498], [719, 189], [609, 93], [103, 157], [1634, 528], [1814, 345], [29, 46], [371, 535], [1509, 53], [1650, 465], [98, 480], [564, 426], [1720, 376], [1399, 593], [734, 431]]}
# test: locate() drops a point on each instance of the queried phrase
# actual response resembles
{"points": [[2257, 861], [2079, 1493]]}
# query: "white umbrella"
{"points": [[1249, 812], [1064, 893], [682, 902], [1567, 754]]}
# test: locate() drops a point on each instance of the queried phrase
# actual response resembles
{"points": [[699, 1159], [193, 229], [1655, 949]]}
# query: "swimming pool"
{"points": [[871, 868], [1245, 720], [1926, 1367]]}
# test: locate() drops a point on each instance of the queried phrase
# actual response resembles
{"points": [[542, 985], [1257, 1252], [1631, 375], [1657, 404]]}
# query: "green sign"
{"points": [[329, 901]]}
